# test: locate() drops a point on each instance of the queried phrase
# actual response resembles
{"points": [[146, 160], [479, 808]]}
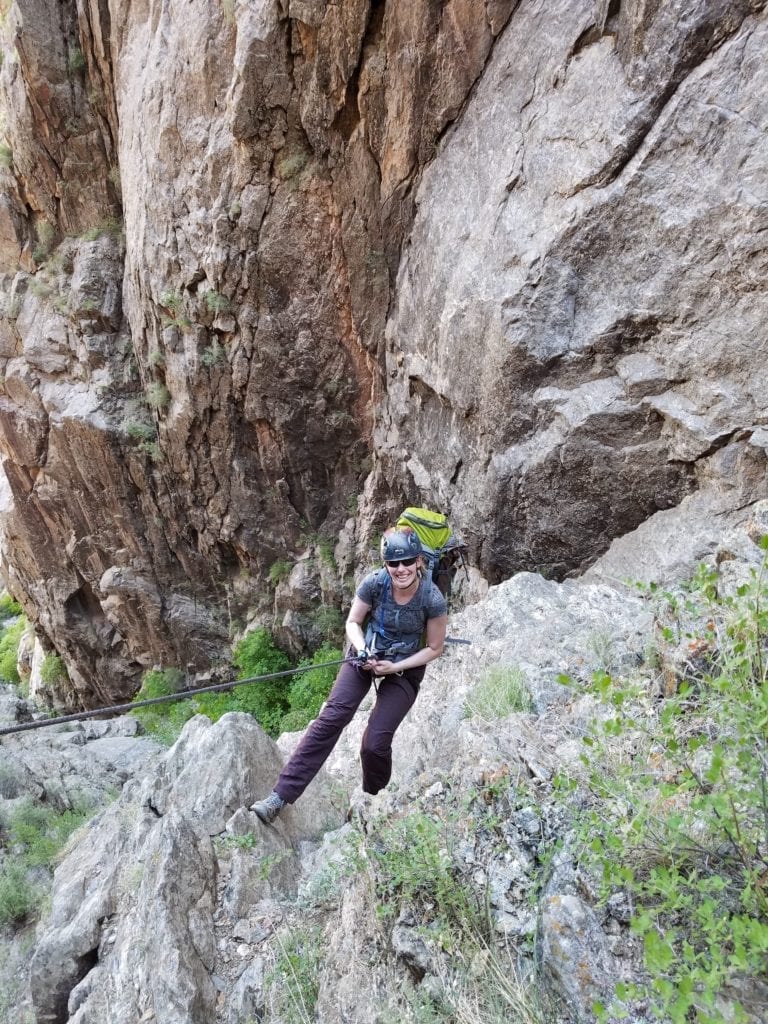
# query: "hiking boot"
{"points": [[269, 808]]}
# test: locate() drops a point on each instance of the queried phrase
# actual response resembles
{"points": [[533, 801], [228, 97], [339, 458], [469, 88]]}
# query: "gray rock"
{"points": [[574, 955]]}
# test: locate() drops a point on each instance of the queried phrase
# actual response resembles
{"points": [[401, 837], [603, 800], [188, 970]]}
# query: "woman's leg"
{"points": [[395, 699], [321, 737]]}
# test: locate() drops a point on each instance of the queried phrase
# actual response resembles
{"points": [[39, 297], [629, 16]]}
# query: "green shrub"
{"points": [[293, 985], [279, 571], [157, 394], [680, 788], [9, 650], [45, 236], [18, 896], [500, 692], [310, 689], [9, 608], [138, 431], [329, 622], [34, 835], [53, 670], [325, 548], [6, 155], [216, 302], [414, 869], [163, 721], [255, 655], [41, 831], [213, 355]]}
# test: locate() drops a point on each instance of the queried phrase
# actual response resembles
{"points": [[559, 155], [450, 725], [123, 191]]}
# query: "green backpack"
{"points": [[443, 551]]}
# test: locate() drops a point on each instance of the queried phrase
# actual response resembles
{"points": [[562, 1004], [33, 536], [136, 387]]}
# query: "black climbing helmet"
{"points": [[397, 544]]}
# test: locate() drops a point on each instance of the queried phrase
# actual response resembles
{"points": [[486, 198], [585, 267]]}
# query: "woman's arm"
{"points": [[354, 627], [435, 644]]}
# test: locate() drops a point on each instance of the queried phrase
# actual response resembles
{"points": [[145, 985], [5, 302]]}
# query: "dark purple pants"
{"points": [[396, 695]]}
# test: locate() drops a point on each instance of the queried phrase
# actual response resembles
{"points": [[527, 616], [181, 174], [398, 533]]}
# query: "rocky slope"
{"points": [[259, 259], [177, 905]]}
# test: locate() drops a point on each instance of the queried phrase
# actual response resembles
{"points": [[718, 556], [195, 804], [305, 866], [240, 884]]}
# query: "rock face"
{"points": [[192, 401], [578, 314], [177, 904], [133, 929], [259, 258]]}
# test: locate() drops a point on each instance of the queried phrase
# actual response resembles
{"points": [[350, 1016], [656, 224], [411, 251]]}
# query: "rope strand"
{"points": [[121, 709]]}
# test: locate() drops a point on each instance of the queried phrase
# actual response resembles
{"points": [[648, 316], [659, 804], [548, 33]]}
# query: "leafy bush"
{"points": [[10, 639], [163, 721], [53, 670], [157, 395], [216, 302], [680, 821], [310, 689], [9, 608], [268, 701], [45, 236], [41, 831], [33, 835], [279, 571], [18, 896], [329, 621]]}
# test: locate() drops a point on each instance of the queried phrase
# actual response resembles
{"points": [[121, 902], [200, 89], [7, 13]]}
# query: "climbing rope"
{"points": [[121, 709]]}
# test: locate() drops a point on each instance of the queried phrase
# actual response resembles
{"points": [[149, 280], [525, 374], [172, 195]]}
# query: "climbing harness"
{"points": [[121, 709]]}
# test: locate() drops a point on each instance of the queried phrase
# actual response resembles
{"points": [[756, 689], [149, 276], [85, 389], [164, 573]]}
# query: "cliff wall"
{"points": [[261, 258]]}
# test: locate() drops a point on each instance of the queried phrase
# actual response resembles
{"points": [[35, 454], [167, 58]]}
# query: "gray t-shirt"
{"points": [[400, 623]]}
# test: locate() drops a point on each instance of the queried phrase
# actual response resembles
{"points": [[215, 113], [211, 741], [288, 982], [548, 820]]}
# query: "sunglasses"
{"points": [[400, 561]]}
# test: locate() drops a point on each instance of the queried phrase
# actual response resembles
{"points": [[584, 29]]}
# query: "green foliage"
{"points": [[329, 621], [157, 395], [247, 841], [10, 639], [53, 670], [108, 226], [45, 236], [268, 701], [6, 155], [39, 832], [325, 548], [681, 783], [309, 690], [163, 721], [33, 836], [279, 571], [291, 162], [500, 692], [173, 304], [293, 984], [213, 355], [414, 869], [18, 896], [140, 431], [216, 302], [277, 704], [9, 608], [76, 61]]}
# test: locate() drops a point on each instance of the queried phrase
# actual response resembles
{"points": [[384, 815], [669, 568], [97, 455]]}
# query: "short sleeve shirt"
{"points": [[404, 619]]}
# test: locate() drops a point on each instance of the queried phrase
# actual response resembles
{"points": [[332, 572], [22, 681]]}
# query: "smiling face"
{"points": [[403, 575]]}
